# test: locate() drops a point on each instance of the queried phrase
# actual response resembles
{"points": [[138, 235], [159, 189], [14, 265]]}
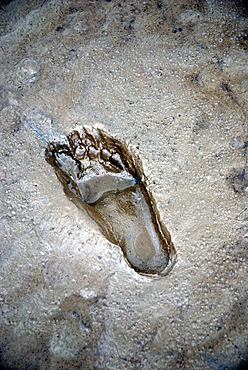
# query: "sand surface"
{"points": [[171, 78]]}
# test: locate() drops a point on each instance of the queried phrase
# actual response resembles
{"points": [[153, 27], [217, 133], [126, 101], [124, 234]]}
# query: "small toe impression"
{"points": [[105, 178]]}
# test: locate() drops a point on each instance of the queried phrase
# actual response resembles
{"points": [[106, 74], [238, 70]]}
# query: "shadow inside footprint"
{"points": [[105, 178]]}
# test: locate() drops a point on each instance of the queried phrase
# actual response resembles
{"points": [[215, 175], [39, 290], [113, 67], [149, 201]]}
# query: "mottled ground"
{"points": [[169, 77]]}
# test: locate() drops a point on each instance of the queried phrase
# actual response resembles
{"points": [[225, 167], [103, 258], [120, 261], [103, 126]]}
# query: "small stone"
{"points": [[28, 70], [40, 123], [237, 143], [190, 16], [240, 181]]}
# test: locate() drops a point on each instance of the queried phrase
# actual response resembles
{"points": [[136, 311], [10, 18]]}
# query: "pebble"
{"points": [[190, 16], [28, 70], [237, 143], [240, 181]]}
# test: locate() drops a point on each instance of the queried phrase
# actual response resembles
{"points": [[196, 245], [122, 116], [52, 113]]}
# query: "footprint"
{"points": [[105, 178]]}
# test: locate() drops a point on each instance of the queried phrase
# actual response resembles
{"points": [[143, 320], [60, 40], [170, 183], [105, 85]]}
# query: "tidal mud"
{"points": [[104, 177]]}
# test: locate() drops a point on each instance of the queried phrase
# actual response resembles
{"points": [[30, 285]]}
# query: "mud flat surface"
{"points": [[171, 79]]}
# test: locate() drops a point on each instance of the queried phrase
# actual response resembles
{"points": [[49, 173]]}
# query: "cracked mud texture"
{"points": [[171, 78]]}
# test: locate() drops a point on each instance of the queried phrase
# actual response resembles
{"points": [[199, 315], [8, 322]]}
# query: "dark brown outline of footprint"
{"points": [[92, 159]]}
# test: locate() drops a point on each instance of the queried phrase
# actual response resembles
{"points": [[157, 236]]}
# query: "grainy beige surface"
{"points": [[171, 78]]}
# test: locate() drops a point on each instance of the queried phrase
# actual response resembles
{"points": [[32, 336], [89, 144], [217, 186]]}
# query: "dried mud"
{"points": [[169, 77]]}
